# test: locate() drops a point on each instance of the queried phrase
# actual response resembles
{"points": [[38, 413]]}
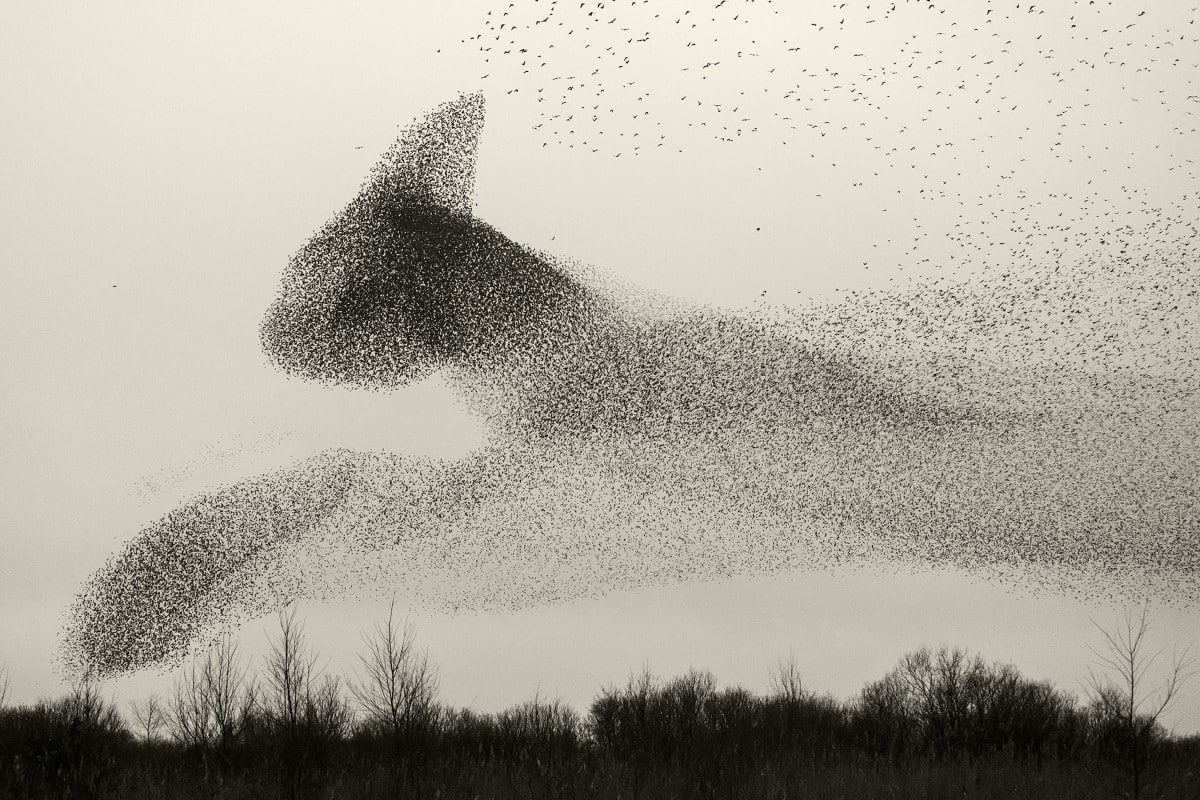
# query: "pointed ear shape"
{"points": [[433, 163], [405, 279]]}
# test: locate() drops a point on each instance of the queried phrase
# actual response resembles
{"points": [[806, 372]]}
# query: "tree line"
{"points": [[289, 729]]}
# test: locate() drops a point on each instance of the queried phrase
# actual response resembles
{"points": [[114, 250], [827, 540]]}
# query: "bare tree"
{"points": [[5, 684], [937, 684], [187, 717], [213, 701], [548, 728], [229, 695], [887, 710], [1126, 696], [150, 716], [785, 680], [86, 709], [953, 702], [291, 672], [397, 689], [304, 706], [90, 725], [329, 715]]}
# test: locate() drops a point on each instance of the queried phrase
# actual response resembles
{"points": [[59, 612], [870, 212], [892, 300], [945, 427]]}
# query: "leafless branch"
{"points": [[149, 715], [397, 687]]}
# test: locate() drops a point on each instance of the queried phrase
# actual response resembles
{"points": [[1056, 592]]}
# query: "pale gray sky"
{"points": [[160, 162]]}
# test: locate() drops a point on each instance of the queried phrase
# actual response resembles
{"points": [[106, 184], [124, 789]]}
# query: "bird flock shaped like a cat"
{"points": [[635, 441]]}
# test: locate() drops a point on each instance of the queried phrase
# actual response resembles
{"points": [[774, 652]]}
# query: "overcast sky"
{"points": [[161, 161]]}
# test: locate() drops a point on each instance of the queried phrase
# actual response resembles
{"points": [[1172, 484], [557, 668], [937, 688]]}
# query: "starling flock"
{"points": [[985, 116], [1028, 415]]}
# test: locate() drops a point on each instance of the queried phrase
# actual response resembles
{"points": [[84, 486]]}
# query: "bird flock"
{"points": [[604, 74], [1025, 129], [1014, 427]]}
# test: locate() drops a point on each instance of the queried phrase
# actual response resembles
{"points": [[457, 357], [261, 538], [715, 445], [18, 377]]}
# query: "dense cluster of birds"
{"points": [[634, 441]]}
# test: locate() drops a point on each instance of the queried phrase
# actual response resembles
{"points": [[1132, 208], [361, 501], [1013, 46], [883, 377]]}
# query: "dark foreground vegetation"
{"points": [[941, 724]]}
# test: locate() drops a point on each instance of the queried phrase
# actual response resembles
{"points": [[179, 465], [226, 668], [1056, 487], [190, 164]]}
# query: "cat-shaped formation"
{"points": [[631, 441]]}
